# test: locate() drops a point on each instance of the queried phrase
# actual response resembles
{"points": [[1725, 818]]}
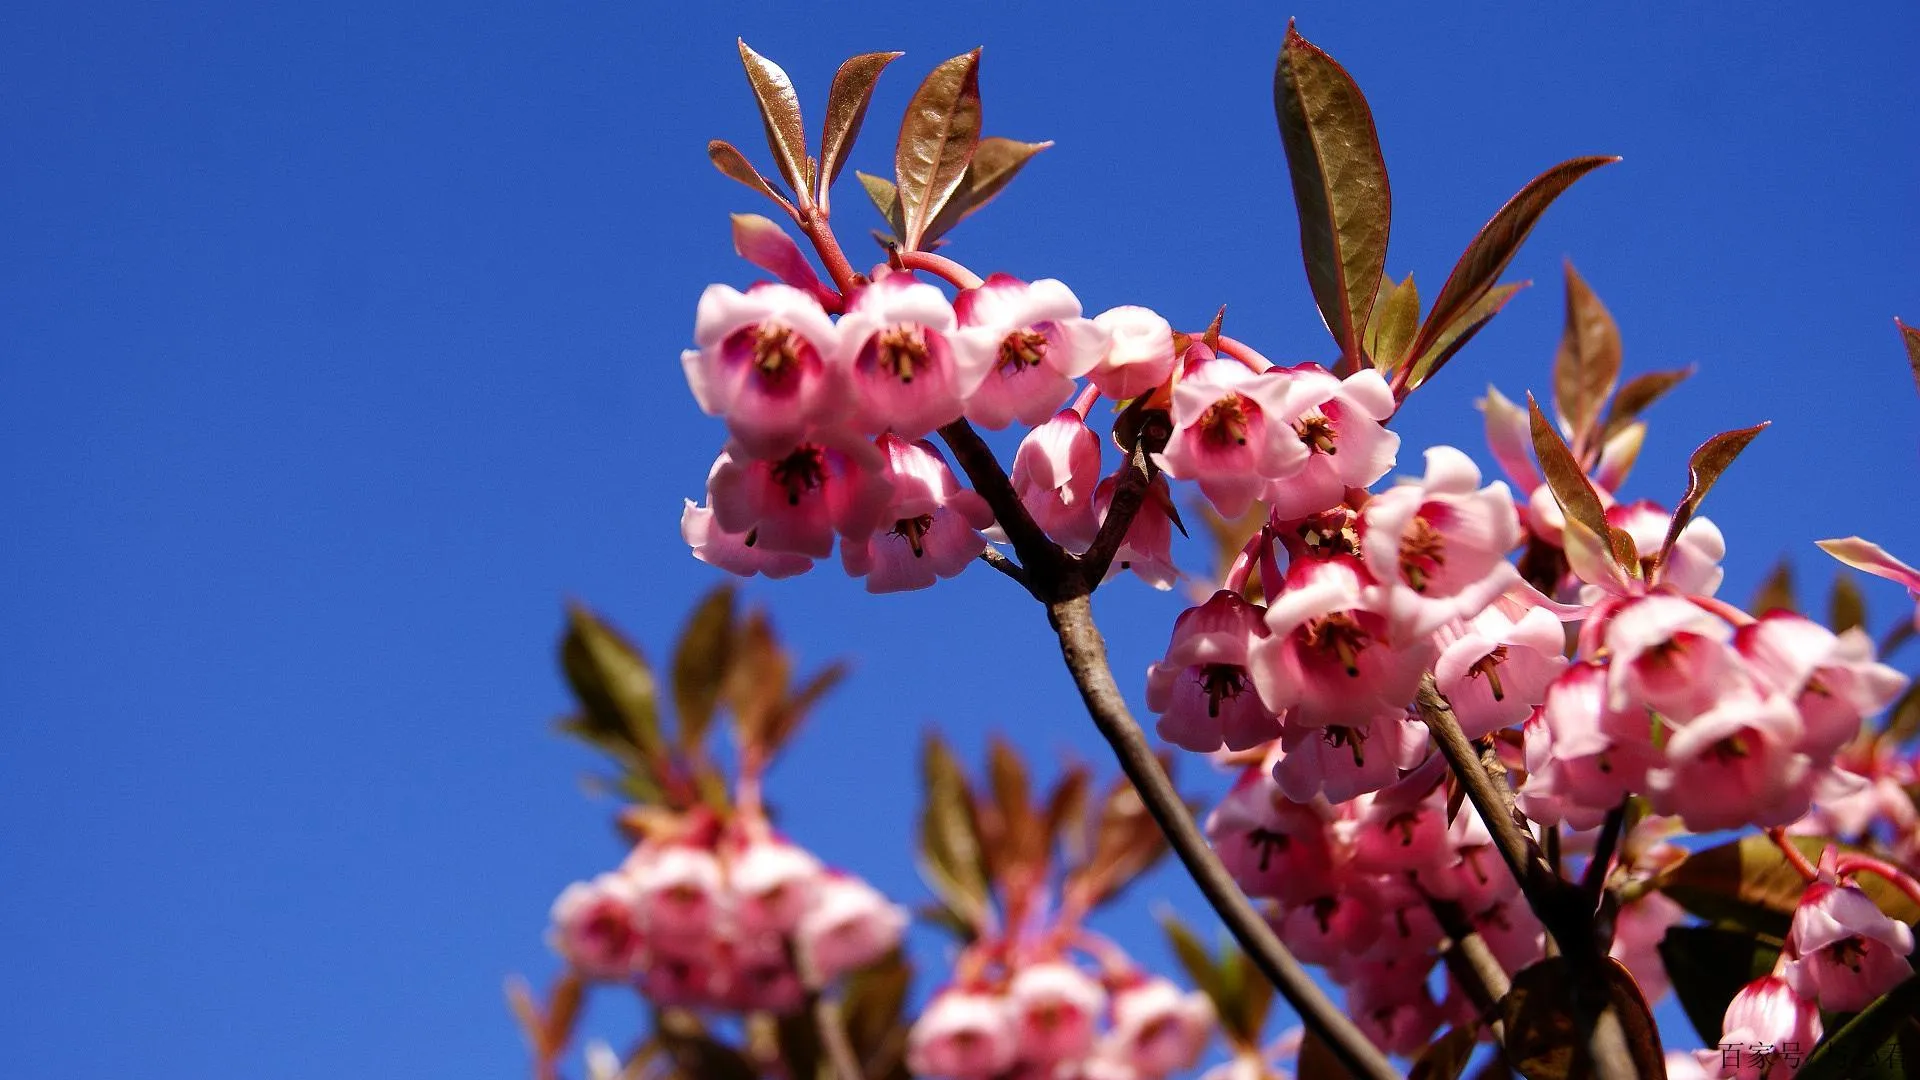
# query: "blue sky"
{"points": [[340, 345]]}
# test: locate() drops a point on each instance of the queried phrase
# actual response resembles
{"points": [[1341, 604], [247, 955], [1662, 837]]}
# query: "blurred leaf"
{"points": [[1127, 843], [757, 680], [1903, 720], [1197, 961], [949, 843], [1869, 1038], [1748, 882], [1703, 469], [1911, 336], [1497, 242], [1639, 394], [733, 163], [1391, 326], [616, 689], [765, 244], [1317, 1060], [1249, 993], [700, 663], [1454, 336], [527, 1014], [1022, 843], [1543, 1030], [994, 165], [793, 710], [1846, 608], [780, 110], [1708, 965], [937, 141], [1339, 185], [697, 1055], [886, 199], [1587, 365], [872, 1005], [1448, 1055], [797, 1041], [1776, 592], [1574, 492], [563, 1012], [847, 101], [1066, 815]]}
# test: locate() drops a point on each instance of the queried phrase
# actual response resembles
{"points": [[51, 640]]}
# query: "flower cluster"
{"points": [[717, 920]]}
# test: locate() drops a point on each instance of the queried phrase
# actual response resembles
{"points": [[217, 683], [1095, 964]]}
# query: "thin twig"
{"points": [[1045, 564], [833, 1036], [992, 557], [1595, 879], [1086, 659], [1129, 494], [1473, 964]]}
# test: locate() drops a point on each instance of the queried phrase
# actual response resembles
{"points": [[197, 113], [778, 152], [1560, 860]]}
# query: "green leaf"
{"points": [[1776, 592], [730, 161], [1708, 965], [937, 141], [1339, 185], [873, 1002], [617, 692], [886, 199], [1846, 608], [1880, 1034], [1395, 319], [1703, 469], [847, 101], [1587, 365], [1910, 335], [700, 664], [995, 163], [1495, 245], [1197, 961], [1639, 393], [1454, 336], [950, 852], [780, 111], [1249, 992], [1749, 883]]}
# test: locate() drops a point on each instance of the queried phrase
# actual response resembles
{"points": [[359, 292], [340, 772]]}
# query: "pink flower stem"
{"points": [[1088, 395], [1853, 862], [1245, 353], [960, 276], [1250, 554], [1795, 858], [845, 277], [1723, 609]]}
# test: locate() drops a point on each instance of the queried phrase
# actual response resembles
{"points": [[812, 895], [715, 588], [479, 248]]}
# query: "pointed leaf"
{"points": [[526, 1013], [1846, 608], [1395, 319], [886, 199], [1903, 719], [1022, 842], [847, 101], [700, 663], [1197, 961], [949, 840], [1498, 241], [1749, 883], [780, 110], [1339, 185], [1703, 469], [1454, 337], [1066, 815], [729, 160], [875, 997], [757, 681], [1574, 492], [1870, 557], [1911, 336], [1543, 1031], [1249, 992], [765, 244], [1776, 592], [1869, 1039], [995, 163], [937, 141], [617, 692], [1588, 363], [1637, 395], [1127, 843]]}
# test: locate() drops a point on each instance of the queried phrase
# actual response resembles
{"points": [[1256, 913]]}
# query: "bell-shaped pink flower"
{"points": [[1275, 848], [1139, 354], [695, 974], [1513, 933], [679, 890], [1327, 658], [1439, 547], [1833, 679], [1055, 1009], [1039, 343], [1340, 426], [910, 373], [1160, 1028], [1495, 669], [1693, 566], [596, 927], [936, 523], [1147, 549], [962, 1035], [796, 502], [1637, 932], [1735, 764], [1844, 950], [1398, 835], [1768, 1032], [774, 883], [1339, 761], [761, 977], [1054, 473], [768, 362], [730, 551], [1670, 655], [850, 925], [1232, 431], [1391, 1003], [1582, 757], [1202, 690]]}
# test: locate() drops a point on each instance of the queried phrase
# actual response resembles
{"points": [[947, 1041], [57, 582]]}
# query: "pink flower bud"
{"points": [[849, 926], [962, 1036], [1055, 1007], [1148, 547], [1845, 951], [596, 927], [1139, 354]]}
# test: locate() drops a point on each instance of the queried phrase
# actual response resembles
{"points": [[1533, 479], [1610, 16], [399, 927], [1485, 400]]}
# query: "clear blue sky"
{"points": [[340, 344]]}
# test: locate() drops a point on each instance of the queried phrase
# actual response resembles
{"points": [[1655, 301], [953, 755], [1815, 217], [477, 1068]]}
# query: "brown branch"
{"points": [[1473, 964], [1129, 494], [1086, 659], [992, 557], [1047, 567]]}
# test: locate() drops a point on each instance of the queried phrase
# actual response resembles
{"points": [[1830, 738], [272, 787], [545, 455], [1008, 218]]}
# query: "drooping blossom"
{"points": [[1735, 763], [908, 371], [1495, 668], [1338, 761], [768, 362], [1055, 472], [1327, 658], [1147, 549], [1583, 757], [1275, 848], [1202, 689], [774, 883], [1768, 1032], [680, 891], [1056, 1007], [849, 925], [1693, 566], [1347, 920], [730, 551], [596, 927], [1231, 430], [1139, 355], [935, 523], [1832, 679], [963, 1035], [1844, 951], [761, 976], [1637, 932], [1391, 1004], [1340, 426], [1040, 345], [1438, 547], [1158, 1027], [795, 503]]}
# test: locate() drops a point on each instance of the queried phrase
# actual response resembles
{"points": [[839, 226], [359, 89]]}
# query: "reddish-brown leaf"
{"points": [[1454, 336], [1587, 364], [937, 141], [1911, 335], [1637, 395], [1776, 592], [847, 101], [701, 660], [1339, 185], [780, 110], [994, 165], [1703, 469], [950, 850], [1571, 488], [731, 162]]}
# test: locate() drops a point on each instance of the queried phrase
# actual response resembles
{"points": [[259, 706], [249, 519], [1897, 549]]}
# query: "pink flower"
{"points": [[694, 975], [1510, 438], [1339, 424], [1159, 1028], [1865, 555], [1832, 679], [1202, 689], [1768, 1032], [1055, 1007], [1391, 1003], [910, 372], [1439, 547], [1670, 655], [1345, 921], [730, 551], [850, 925], [936, 523], [1693, 566], [1582, 758], [1339, 761], [596, 927], [768, 362], [762, 977], [1231, 431], [1734, 764], [1054, 472], [1147, 549], [1512, 932], [796, 502], [679, 891], [1039, 342], [1844, 950], [1139, 353], [1274, 847], [1636, 940], [774, 884], [962, 1035], [1495, 669], [1327, 658]]}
